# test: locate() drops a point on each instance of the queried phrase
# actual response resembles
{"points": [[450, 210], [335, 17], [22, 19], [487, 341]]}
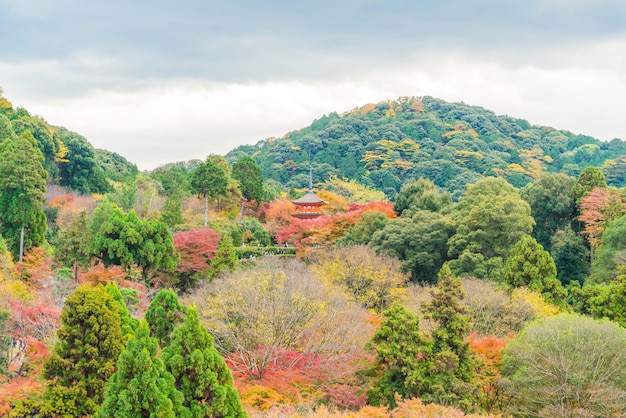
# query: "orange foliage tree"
{"points": [[597, 209], [489, 351]]}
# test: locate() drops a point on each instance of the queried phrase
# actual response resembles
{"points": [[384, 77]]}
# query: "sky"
{"points": [[164, 81]]}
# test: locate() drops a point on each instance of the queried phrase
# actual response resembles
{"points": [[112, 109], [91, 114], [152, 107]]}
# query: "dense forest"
{"points": [[465, 264], [453, 144]]}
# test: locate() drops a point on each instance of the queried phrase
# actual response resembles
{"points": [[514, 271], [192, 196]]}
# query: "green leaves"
{"points": [[21, 192], [89, 342], [199, 371]]}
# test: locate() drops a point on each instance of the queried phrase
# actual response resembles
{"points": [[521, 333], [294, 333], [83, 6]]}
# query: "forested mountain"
{"points": [[390, 143], [453, 245], [69, 159]]}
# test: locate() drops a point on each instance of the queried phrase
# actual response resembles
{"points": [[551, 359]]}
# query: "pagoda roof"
{"points": [[309, 199]]}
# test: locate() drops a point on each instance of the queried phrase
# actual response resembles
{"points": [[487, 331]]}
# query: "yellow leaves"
{"points": [[542, 308], [391, 154], [353, 191], [516, 168], [15, 289], [464, 156], [59, 157], [5, 104]]}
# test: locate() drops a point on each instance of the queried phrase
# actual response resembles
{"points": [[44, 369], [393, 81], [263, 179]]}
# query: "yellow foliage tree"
{"points": [[373, 281]]}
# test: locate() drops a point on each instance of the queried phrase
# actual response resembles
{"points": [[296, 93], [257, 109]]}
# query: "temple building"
{"points": [[308, 206]]}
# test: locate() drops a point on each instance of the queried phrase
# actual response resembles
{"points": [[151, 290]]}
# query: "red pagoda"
{"points": [[308, 206]]}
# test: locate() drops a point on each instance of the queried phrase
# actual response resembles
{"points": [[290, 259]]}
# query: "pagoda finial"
{"points": [[310, 173]]}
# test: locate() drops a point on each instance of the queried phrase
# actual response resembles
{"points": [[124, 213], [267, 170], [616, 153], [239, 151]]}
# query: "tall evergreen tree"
{"points": [[402, 351], [530, 265], [72, 245], [199, 371], [128, 324], [209, 179], [163, 315], [452, 364], [225, 257], [141, 387], [22, 219], [84, 357]]}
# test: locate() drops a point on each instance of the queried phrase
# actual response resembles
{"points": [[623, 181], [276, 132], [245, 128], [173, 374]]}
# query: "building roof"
{"points": [[309, 199]]}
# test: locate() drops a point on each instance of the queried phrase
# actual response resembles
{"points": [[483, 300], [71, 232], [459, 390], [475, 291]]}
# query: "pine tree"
{"points": [[141, 387], [22, 219], [128, 324], [199, 371], [452, 364], [84, 357], [401, 350], [225, 257], [530, 265], [163, 315]]}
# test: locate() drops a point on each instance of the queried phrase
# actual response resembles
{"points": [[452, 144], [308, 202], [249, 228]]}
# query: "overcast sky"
{"points": [[163, 81]]}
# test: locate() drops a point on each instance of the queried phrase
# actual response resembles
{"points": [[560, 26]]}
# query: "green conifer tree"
{"points": [[129, 324], [141, 387], [225, 257], [530, 265], [84, 357], [163, 315], [402, 351], [452, 364], [199, 371], [22, 219]]}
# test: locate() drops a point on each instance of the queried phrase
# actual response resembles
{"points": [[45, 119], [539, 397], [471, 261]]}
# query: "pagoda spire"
{"points": [[308, 206]]}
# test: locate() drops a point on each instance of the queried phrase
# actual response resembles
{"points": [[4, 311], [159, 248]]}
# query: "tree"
{"points": [[401, 349], [421, 194], [278, 313], [250, 178], [599, 207], [22, 219], [125, 240], [225, 257], [172, 213], [197, 249], [89, 343], [209, 179], [551, 205], [570, 256], [163, 315], [490, 218], [363, 231], [603, 300], [374, 281], [567, 366], [532, 266], [80, 171], [128, 324], [589, 179], [200, 374], [72, 245], [156, 253], [141, 386], [420, 242], [453, 366], [612, 251]]}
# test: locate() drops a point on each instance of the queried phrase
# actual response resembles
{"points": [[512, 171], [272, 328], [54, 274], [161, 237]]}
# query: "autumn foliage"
{"points": [[327, 230]]}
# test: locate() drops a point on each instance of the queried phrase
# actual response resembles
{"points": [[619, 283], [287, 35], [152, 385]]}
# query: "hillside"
{"points": [[453, 144], [69, 159]]}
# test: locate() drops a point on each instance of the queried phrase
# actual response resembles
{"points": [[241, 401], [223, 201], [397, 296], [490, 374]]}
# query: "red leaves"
{"points": [[597, 209], [328, 229], [197, 248], [39, 320]]}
